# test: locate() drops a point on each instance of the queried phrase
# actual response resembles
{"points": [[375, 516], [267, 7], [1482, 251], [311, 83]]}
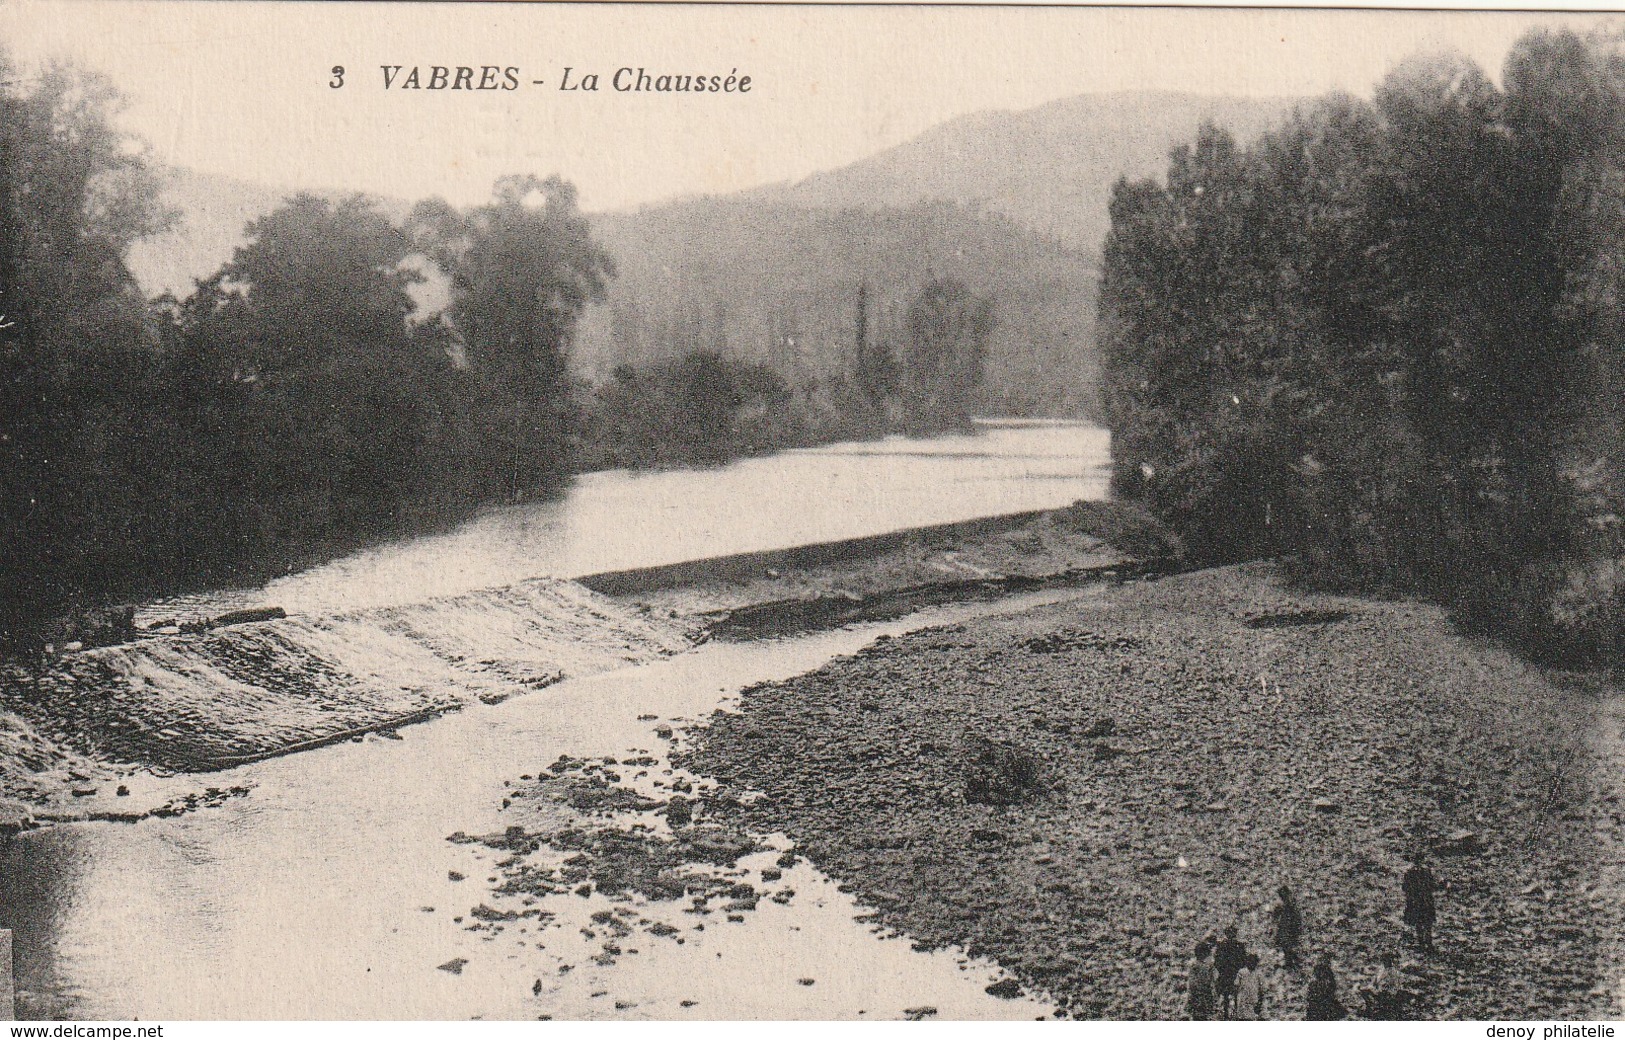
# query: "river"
{"points": [[330, 891], [621, 519]]}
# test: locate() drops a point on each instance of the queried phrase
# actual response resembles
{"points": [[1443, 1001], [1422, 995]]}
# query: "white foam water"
{"points": [[208, 699]]}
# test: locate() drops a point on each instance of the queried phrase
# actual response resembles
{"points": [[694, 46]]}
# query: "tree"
{"points": [[76, 344], [875, 370], [1371, 339], [319, 278], [948, 328], [699, 408], [523, 268], [311, 409]]}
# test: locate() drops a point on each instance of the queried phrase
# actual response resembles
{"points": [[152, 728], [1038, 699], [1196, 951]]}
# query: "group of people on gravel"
{"points": [[1224, 979]]}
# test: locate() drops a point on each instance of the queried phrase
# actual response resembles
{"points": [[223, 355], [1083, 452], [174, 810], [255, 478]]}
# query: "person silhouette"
{"points": [[1199, 984], [1322, 1004], [1421, 912], [1287, 925], [1229, 957], [1249, 991]]}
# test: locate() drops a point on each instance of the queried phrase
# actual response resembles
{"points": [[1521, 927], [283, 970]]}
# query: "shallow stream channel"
{"points": [[395, 878]]}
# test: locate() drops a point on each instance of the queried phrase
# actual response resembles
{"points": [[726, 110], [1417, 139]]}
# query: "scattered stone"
{"points": [[1297, 617], [1459, 843], [1104, 726], [250, 616], [455, 965], [486, 913]]}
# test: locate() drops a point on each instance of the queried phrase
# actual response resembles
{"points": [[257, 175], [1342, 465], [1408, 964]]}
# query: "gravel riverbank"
{"points": [[1200, 739]]}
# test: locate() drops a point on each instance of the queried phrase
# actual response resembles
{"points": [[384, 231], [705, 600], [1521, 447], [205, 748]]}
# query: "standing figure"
{"points": [[1420, 911], [1228, 959], [1323, 1005], [1199, 984], [1287, 924]]}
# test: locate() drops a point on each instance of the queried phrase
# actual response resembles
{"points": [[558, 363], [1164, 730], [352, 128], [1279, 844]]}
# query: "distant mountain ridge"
{"points": [[1012, 203], [1049, 168]]}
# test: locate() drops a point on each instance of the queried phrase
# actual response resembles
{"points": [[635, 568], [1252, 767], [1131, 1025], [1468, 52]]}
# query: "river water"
{"points": [[621, 519], [330, 891]]}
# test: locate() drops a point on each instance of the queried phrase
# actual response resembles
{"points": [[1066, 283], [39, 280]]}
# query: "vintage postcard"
{"points": [[564, 511]]}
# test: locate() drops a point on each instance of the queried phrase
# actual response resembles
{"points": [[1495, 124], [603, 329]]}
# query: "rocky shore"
{"points": [[1074, 793], [1194, 742]]}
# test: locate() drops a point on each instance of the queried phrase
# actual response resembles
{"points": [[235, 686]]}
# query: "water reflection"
{"points": [[623, 519], [41, 873]]}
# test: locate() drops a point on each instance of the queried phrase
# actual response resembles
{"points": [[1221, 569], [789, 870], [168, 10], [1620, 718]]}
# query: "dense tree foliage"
{"points": [[703, 408], [1386, 338], [294, 405], [761, 281], [945, 350], [76, 346], [297, 403], [522, 270], [699, 409], [305, 406]]}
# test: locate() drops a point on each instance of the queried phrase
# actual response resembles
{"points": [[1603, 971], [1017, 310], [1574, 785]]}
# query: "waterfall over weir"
{"points": [[218, 698], [405, 629]]}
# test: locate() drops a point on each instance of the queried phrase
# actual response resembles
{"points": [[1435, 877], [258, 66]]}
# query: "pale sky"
{"points": [[242, 88]]}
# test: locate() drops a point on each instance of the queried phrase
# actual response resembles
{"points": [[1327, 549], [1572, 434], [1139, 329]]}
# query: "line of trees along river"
{"points": [[296, 404], [1388, 338]]}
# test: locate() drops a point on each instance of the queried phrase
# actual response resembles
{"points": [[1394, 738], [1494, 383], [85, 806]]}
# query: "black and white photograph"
{"points": [[562, 512]]}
